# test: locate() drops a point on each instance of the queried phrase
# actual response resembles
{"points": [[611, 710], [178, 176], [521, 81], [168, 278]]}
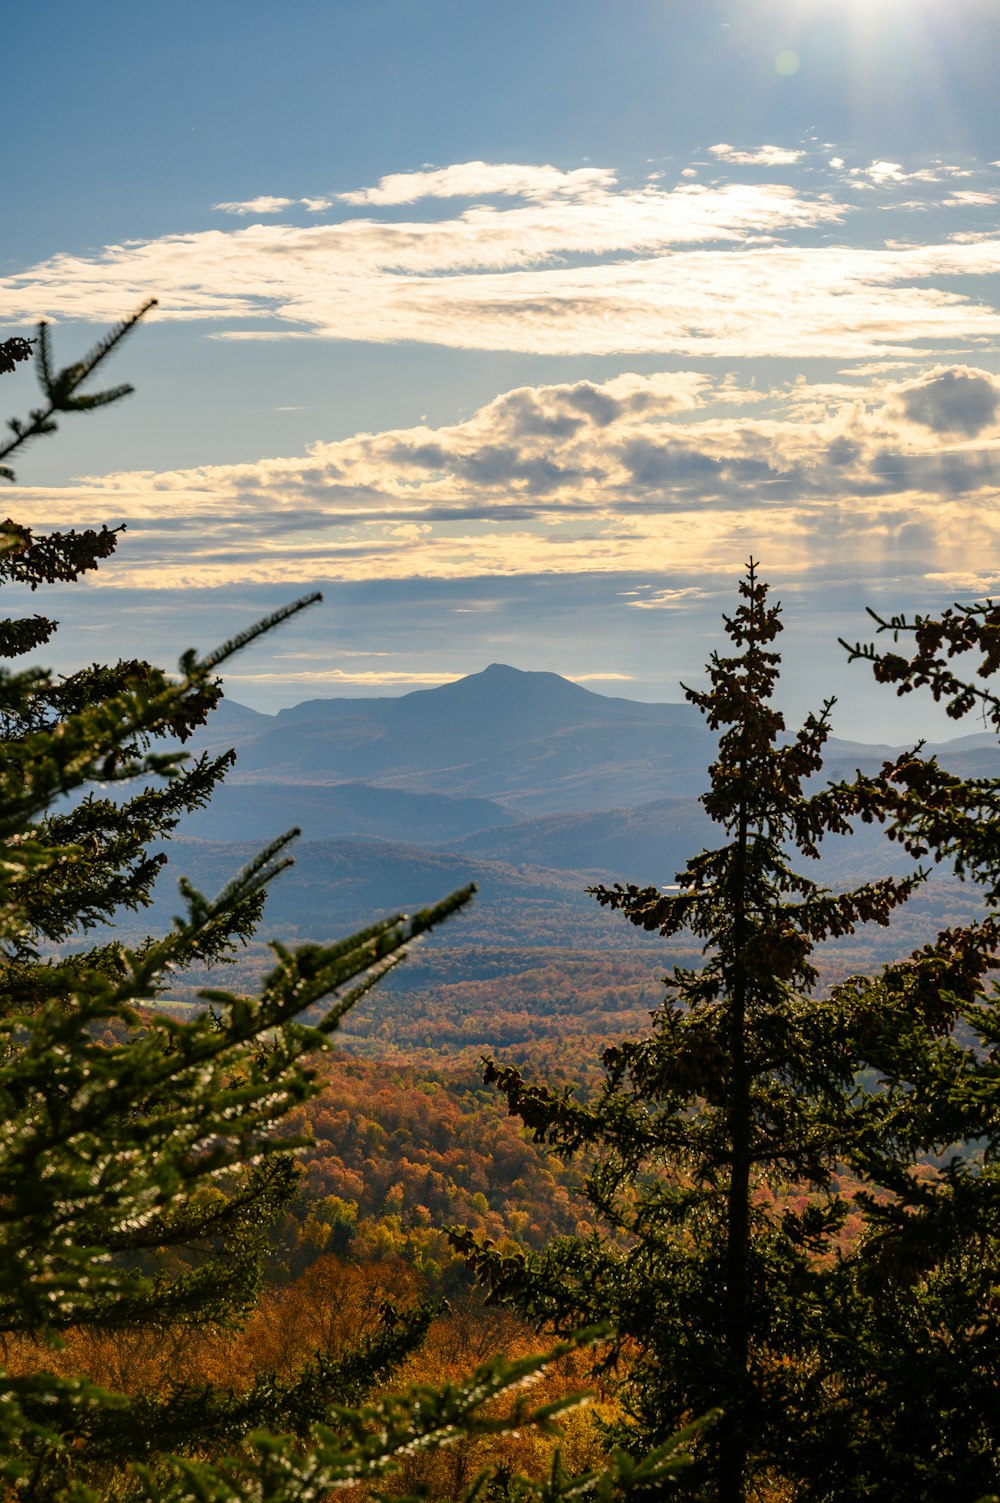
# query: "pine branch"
{"points": [[62, 388]]}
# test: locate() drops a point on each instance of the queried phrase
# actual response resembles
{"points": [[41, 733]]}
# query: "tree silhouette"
{"points": [[719, 1286]]}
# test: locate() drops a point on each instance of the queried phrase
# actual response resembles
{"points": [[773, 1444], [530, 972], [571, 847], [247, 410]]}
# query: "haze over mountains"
{"points": [[525, 783], [533, 742], [496, 749]]}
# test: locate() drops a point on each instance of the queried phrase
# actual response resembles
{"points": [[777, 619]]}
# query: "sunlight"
{"points": [[888, 54]]}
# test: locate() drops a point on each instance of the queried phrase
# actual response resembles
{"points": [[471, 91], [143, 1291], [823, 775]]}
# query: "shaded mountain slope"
{"points": [[648, 843], [532, 741], [336, 886], [338, 811]]}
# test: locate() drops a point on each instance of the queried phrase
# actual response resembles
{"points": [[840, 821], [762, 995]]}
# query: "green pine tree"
{"points": [[115, 868], [114, 1155], [913, 1363], [143, 1159], [746, 1086]]}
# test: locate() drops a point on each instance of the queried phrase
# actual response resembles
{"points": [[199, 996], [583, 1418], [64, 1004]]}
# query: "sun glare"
{"points": [[893, 57]]}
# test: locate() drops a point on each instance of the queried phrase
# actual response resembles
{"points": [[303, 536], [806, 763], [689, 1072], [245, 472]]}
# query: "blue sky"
{"points": [[516, 329]]}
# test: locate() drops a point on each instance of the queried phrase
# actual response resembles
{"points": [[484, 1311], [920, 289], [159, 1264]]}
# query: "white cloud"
{"points": [[966, 198], [762, 156], [667, 600], [881, 172], [593, 678], [484, 180], [338, 678], [648, 475], [573, 264], [967, 582], [265, 204], [555, 276]]}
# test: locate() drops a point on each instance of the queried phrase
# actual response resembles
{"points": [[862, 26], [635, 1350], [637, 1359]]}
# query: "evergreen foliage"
{"points": [[718, 1142], [143, 1160], [917, 1316], [113, 867]]}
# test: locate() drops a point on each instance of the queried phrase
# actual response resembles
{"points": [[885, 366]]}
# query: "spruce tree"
{"points": [[141, 1166], [913, 1365], [747, 1085], [115, 868], [142, 1158]]}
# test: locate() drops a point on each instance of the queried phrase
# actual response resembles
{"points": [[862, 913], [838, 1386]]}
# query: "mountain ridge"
{"points": [[507, 766], [533, 743], [530, 741]]}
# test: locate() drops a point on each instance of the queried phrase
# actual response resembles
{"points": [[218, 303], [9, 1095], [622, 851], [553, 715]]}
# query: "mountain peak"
{"points": [[523, 676], [498, 686]]}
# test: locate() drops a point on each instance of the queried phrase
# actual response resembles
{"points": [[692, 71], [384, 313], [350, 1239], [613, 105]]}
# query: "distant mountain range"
{"points": [[533, 742], [508, 765], [528, 785]]}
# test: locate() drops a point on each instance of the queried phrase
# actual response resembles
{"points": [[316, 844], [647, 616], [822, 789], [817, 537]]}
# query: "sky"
{"points": [[515, 330]]}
